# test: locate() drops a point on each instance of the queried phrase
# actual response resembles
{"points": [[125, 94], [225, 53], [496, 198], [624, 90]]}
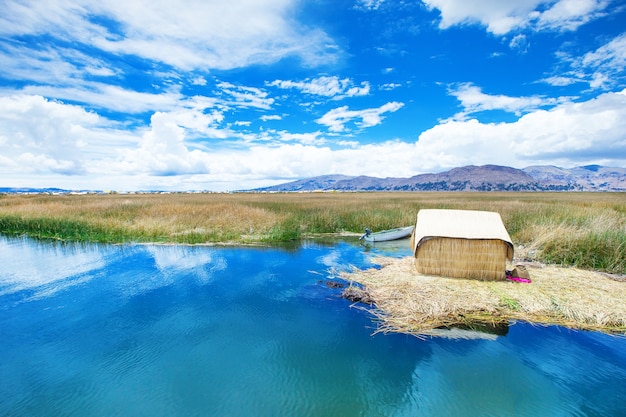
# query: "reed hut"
{"points": [[461, 244]]}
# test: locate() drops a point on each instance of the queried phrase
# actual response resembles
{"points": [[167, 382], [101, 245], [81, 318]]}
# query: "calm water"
{"points": [[92, 330]]}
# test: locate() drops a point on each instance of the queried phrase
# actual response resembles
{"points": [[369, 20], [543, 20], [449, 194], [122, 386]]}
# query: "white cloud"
{"points": [[502, 17], [474, 100], [607, 64], [265, 118], [40, 270], [561, 81], [298, 160], [68, 140], [519, 42], [110, 97], [336, 119], [68, 75], [40, 135], [50, 65], [333, 87], [313, 138], [126, 101], [192, 34], [603, 68], [390, 86], [570, 14], [570, 133], [162, 150], [199, 81], [369, 4], [242, 96]]}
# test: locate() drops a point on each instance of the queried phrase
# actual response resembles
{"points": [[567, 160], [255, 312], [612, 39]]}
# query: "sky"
{"points": [[216, 95]]}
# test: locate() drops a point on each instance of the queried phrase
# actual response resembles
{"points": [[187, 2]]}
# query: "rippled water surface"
{"points": [[92, 330]]}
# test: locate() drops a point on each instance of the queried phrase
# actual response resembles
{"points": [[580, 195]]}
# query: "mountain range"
{"points": [[472, 178]]}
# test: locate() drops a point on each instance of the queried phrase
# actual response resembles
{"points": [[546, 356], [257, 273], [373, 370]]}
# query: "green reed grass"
{"points": [[60, 229], [587, 230], [603, 251]]}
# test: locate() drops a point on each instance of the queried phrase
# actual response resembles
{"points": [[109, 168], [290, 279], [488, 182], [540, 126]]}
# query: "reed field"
{"points": [[584, 230]]}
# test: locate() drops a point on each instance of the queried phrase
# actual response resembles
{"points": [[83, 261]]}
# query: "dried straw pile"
{"points": [[409, 302]]}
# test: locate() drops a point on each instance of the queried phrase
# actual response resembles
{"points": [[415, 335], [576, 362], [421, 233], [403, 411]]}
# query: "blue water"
{"points": [[96, 330]]}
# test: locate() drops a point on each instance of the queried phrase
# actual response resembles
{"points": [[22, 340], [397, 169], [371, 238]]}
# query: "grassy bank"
{"points": [[586, 230]]}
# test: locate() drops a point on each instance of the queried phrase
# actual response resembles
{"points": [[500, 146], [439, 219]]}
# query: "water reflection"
{"points": [[45, 268], [184, 330]]}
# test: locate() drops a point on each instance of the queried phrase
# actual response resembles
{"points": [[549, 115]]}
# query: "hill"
{"points": [[473, 178]]}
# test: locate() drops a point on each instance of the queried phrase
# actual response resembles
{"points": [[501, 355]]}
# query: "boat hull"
{"points": [[391, 234]]}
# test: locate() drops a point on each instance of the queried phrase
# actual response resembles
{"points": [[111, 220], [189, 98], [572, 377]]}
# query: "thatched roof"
{"points": [[460, 224]]}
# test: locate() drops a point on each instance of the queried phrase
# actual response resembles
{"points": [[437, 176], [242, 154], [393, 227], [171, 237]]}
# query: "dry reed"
{"points": [[409, 302], [186, 218]]}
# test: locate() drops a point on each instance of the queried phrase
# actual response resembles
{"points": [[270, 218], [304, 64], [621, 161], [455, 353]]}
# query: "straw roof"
{"points": [[409, 302]]}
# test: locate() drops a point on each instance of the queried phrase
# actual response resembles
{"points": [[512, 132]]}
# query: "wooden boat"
{"points": [[386, 235]]}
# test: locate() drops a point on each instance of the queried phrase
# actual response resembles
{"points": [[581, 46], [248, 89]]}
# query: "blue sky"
{"points": [[226, 95]]}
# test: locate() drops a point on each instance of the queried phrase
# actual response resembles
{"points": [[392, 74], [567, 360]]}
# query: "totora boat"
{"points": [[385, 235]]}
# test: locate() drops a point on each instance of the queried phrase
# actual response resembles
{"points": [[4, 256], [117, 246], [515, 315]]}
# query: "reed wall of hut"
{"points": [[461, 244]]}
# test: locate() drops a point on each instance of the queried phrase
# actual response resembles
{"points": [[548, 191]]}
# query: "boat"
{"points": [[386, 235]]}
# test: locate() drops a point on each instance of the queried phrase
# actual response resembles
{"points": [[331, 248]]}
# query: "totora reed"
{"points": [[406, 301]]}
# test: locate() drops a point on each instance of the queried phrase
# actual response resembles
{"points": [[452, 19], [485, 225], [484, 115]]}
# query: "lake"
{"points": [[153, 330]]}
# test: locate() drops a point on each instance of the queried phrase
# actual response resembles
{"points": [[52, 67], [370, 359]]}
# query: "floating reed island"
{"points": [[458, 277], [406, 301]]}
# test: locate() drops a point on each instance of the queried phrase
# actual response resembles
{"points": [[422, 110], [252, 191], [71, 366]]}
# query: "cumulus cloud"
{"points": [[66, 139], [69, 140], [569, 133], [333, 87], [337, 119], [162, 150], [38, 135], [313, 138], [502, 17], [163, 156]]}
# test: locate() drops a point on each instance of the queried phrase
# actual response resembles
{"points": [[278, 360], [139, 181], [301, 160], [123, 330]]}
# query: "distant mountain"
{"points": [[325, 182], [473, 178], [26, 190], [586, 178]]}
